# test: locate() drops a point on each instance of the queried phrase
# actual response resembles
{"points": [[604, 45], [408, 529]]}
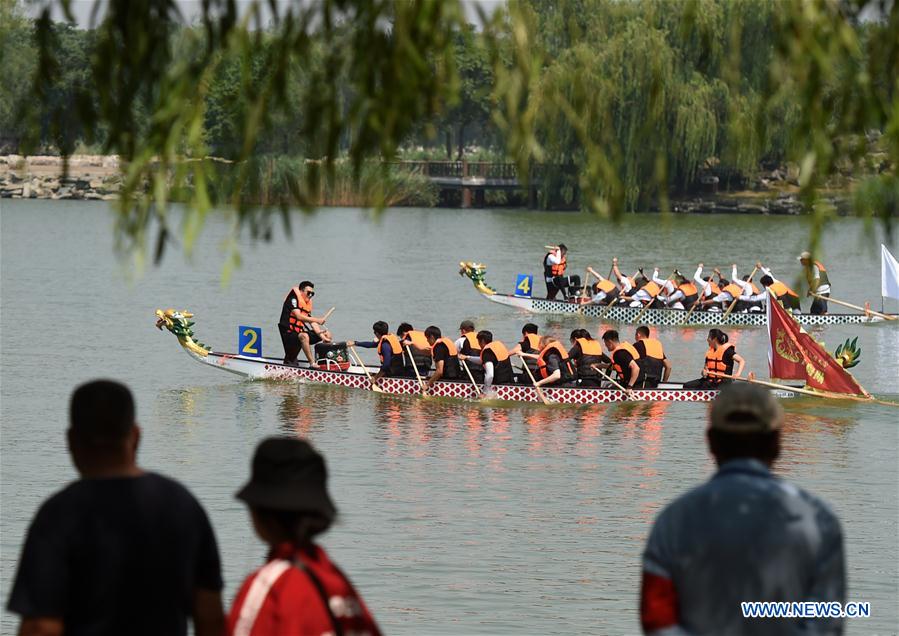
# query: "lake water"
{"points": [[455, 518]]}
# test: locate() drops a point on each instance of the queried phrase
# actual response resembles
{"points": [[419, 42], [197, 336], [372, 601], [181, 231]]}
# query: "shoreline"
{"points": [[98, 178]]}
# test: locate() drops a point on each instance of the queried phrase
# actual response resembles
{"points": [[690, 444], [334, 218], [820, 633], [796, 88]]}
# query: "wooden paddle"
{"points": [[866, 310], [540, 393], [424, 389], [374, 387], [328, 314], [477, 389], [628, 392], [734, 304]]}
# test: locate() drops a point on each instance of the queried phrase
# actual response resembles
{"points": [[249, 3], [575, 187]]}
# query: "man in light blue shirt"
{"points": [[745, 535]]}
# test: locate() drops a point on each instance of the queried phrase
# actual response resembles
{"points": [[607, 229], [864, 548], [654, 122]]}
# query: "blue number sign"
{"points": [[524, 285], [249, 341]]}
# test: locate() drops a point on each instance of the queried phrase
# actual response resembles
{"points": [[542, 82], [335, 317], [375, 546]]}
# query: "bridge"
{"points": [[474, 178]]}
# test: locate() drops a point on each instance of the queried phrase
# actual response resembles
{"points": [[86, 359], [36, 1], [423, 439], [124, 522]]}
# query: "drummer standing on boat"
{"points": [[298, 327], [818, 282], [554, 264]]}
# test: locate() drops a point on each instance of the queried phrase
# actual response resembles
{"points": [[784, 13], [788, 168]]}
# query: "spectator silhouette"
{"points": [[120, 550]]}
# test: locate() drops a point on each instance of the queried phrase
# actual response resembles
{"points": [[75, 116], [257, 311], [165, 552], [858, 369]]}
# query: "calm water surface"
{"points": [[454, 518]]}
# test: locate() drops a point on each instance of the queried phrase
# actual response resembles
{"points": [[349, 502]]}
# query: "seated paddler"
{"points": [[390, 351], [604, 290], [529, 343], [787, 297], [653, 362], [585, 355], [494, 361], [554, 367], [624, 359], [444, 355], [417, 343]]}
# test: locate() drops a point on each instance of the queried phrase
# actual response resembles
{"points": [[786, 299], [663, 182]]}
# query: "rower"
{"points": [[421, 350], [445, 356], [624, 359], [721, 293], [684, 294], [390, 351], [604, 291], [585, 353], [647, 290], [530, 343], [554, 264], [818, 283], [467, 344], [706, 288], [666, 287], [553, 364], [298, 327], [652, 362], [784, 294], [751, 298], [719, 358], [494, 360], [627, 284]]}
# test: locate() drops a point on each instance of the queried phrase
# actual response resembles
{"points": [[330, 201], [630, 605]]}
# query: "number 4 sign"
{"points": [[524, 285], [249, 341]]}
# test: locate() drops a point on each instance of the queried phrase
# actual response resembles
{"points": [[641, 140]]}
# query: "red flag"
{"points": [[794, 355]]}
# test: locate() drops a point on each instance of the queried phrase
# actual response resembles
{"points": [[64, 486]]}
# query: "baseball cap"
{"points": [[745, 408], [805, 256]]}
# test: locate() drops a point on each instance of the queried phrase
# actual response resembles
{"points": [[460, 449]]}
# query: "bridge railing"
{"points": [[495, 170]]}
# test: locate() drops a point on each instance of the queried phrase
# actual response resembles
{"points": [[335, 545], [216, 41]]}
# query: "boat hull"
{"points": [[669, 317], [355, 378]]}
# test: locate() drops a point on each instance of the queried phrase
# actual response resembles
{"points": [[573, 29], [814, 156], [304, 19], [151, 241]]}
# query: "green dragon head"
{"points": [[178, 322], [476, 272], [848, 354]]}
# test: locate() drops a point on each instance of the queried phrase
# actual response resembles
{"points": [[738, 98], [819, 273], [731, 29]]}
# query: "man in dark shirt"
{"points": [[624, 359], [120, 551]]}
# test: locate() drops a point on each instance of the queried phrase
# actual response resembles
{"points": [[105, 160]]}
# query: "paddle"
{"points": [[424, 389], [734, 304], [628, 392], [374, 387], [866, 310], [328, 314], [540, 394], [477, 389]]}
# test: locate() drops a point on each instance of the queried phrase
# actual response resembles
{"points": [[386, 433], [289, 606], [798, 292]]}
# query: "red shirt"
{"points": [[282, 598]]}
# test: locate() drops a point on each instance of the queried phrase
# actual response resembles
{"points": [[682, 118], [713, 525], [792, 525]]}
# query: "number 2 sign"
{"points": [[249, 341]]}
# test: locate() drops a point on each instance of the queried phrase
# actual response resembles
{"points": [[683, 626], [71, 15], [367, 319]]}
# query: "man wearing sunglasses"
{"points": [[299, 328]]}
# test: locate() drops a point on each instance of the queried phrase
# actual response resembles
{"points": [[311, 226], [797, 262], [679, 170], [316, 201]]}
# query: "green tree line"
{"points": [[637, 95]]}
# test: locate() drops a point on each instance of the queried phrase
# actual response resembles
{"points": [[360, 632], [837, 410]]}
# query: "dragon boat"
{"points": [[338, 371], [657, 317]]}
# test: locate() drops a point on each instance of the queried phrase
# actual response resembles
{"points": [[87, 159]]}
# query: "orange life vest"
{"points": [[823, 279], [652, 288], [564, 367], [590, 347], [417, 339], [473, 341], [498, 349], [559, 270], [395, 347], [715, 290], [688, 289], [714, 361], [780, 290], [653, 348], [305, 307], [733, 289], [605, 285], [450, 346], [630, 349], [755, 289], [532, 340]]}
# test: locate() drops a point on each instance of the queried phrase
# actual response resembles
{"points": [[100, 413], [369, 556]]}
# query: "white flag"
{"points": [[889, 274]]}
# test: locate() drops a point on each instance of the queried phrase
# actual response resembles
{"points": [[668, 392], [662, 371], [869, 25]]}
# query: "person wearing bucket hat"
{"points": [[299, 590], [818, 282], [745, 535]]}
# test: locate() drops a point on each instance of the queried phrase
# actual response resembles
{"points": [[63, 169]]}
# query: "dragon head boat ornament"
{"points": [[477, 272], [179, 323]]}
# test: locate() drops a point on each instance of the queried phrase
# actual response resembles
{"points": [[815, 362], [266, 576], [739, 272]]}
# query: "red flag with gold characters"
{"points": [[794, 355]]}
